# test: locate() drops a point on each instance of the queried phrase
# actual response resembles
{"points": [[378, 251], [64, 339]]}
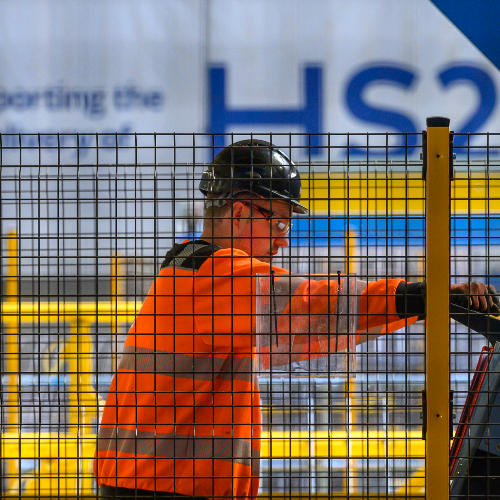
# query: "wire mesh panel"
{"points": [[474, 374], [119, 346]]}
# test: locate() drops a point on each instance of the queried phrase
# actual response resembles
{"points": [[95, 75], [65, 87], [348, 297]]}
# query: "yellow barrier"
{"points": [[299, 444], [337, 444], [84, 402], [11, 348], [66, 461], [349, 252], [52, 312], [77, 351], [396, 193]]}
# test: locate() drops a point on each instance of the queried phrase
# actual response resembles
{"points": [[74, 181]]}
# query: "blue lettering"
{"points": [[64, 140], [309, 116], [94, 102], [69, 140], [23, 100], [88, 101], [107, 141], [19, 100], [50, 100], [390, 75], [124, 136], [91, 102], [130, 96], [487, 98], [155, 99], [85, 140], [48, 141], [29, 141], [10, 138]]}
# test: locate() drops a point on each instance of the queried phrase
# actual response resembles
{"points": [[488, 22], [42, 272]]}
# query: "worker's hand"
{"points": [[477, 296]]}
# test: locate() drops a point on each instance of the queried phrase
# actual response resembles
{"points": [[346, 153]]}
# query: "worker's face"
{"points": [[256, 231]]}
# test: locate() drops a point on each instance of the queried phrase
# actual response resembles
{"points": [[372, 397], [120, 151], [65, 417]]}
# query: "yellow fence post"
{"points": [[70, 355], [437, 339], [12, 335], [116, 294], [349, 249], [12, 354]]}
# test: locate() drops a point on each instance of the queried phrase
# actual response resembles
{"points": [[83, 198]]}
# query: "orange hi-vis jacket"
{"points": [[183, 411]]}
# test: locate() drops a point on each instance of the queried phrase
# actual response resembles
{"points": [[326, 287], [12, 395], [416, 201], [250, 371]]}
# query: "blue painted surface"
{"points": [[373, 231], [393, 231], [324, 231], [478, 20]]}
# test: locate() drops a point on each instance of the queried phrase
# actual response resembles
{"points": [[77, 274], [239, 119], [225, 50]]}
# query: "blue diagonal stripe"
{"points": [[478, 20]]}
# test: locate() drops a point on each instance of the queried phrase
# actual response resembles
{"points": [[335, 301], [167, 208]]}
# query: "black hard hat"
{"points": [[254, 166]]}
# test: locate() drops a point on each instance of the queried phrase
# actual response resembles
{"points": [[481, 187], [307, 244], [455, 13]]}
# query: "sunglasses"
{"points": [[282, 226]]}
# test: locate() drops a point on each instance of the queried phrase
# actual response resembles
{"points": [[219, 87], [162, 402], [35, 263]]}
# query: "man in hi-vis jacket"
{"points": [[182, 416]]}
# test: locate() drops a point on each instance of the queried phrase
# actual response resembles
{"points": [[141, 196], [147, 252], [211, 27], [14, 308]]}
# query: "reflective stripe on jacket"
{"points": [[183, 411]]}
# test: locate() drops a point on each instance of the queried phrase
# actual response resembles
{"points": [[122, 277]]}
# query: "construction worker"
{"points": [[182, 416]]}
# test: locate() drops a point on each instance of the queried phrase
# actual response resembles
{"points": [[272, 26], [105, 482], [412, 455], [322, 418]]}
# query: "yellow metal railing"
{"points": [[65, 459], [65, 463], [12, 335], [339, 444], [405, 190], [84, 403]]}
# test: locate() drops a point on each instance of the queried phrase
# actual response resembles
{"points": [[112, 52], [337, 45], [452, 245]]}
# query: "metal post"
{"points": [[115, 295], [438, 319], [349, 249], [12, 355], [12, 336]]}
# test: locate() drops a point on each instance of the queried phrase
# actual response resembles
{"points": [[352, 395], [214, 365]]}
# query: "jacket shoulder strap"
{"points": [[190, 255]]}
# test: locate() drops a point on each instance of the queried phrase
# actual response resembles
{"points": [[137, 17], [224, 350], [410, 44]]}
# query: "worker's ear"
{"points": [[238, 215]]}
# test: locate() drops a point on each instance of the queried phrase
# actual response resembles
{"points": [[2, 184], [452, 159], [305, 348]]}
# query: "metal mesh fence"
{"points": [[86, 222]]}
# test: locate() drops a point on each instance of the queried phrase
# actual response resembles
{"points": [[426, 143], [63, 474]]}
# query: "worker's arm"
{"points": [[409, 303], [312, 310], [382, 305]]}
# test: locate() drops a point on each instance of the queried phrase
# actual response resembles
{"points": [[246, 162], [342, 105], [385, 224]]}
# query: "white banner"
{"points": [[307, 66], [101, 66]]}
